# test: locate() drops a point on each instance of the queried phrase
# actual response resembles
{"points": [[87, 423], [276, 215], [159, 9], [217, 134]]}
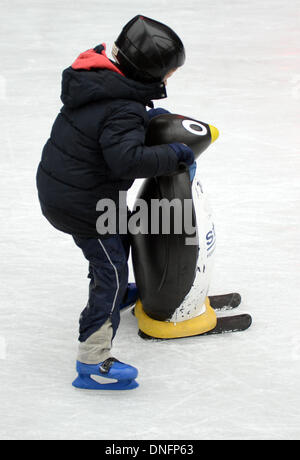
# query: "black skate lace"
{"points": [[106, 365]]}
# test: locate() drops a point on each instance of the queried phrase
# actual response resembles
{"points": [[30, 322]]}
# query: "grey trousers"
{"points": [[98, 346]]}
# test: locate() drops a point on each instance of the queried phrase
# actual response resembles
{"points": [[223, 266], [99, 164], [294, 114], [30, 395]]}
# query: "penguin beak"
{"points": [[214, 133]]}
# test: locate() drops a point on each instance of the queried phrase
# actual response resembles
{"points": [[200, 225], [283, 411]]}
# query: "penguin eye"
{"points": [[194, 127]]}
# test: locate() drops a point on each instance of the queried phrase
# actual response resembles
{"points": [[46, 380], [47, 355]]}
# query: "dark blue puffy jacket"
{"points": [[96, 148]]}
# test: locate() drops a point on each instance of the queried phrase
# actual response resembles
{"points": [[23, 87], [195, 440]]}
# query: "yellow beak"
{"points": [[214, 133]]}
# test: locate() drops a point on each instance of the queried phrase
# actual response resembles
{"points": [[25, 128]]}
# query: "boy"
{"points": [[97, 149]]}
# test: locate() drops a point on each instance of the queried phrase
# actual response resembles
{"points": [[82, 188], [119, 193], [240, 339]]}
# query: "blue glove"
{"points": [[155, 112], [184, 153]]}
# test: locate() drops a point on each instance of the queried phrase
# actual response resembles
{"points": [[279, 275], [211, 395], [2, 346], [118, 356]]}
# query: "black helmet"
{"points": [[147, 50]]}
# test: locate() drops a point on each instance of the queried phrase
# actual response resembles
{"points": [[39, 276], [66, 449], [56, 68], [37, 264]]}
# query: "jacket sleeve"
{"points": [[122, 140]]}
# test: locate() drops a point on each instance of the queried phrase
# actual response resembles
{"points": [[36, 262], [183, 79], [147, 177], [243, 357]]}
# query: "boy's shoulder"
{"points": [[127, 108]]}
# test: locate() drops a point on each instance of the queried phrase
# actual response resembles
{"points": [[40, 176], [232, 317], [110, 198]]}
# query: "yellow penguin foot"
{"points": [[151, 328]]}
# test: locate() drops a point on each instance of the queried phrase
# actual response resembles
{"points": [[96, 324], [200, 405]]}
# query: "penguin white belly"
{"points": [[194, 303]]}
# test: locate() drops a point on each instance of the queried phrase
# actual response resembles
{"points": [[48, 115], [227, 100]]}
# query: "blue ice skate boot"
{"points": [[131, 298], [111, 368]]}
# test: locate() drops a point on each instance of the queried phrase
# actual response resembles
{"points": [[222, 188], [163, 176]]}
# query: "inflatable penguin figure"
{"points": [[173, 250]]}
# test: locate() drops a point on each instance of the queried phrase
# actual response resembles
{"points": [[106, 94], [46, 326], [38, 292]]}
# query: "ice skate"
{"points": [[131, 298], [111, 368]]}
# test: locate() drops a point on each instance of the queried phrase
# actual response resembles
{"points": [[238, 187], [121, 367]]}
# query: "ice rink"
{"points": [[242, 75]]}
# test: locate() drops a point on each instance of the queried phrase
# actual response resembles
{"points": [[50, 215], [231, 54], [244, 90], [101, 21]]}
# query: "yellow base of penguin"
{"points": [[167, 330]]}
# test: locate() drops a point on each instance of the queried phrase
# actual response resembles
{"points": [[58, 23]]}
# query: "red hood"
{"points": [[92, 59]]}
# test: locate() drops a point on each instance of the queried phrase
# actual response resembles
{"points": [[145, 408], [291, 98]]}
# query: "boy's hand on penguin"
{"points": [[184, 153]]}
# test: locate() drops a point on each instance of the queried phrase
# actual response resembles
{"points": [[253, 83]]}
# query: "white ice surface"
{"points": [[243, 75]]}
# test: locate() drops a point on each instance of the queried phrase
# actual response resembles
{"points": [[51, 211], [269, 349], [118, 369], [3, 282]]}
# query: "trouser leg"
{"points": [[108, 273]]}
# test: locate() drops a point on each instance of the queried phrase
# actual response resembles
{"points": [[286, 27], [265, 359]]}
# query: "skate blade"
{"points": [[85, 382]]}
